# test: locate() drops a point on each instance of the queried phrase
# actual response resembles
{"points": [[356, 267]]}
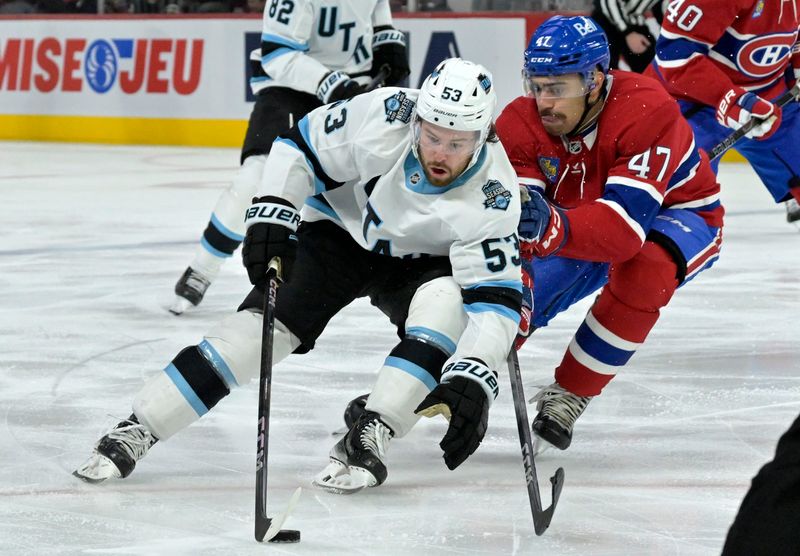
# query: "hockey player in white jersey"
{"points": [[408, 199], [311, 53]]}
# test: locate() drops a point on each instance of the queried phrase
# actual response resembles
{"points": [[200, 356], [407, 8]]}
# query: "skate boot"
{"points": [[792, 211], [558, 410], [189, 290], [357, 460], [354, 410], [115, 455]]}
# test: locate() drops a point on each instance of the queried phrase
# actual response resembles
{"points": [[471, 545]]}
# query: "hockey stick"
{"points": [[728, 142], [377, 81], [267, 528], [541, 517]]}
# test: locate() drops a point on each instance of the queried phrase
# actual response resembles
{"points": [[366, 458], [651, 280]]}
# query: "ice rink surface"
{"points": [[93, 240]]}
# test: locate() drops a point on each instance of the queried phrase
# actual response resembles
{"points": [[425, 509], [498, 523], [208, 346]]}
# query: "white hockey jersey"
{"points": [[352, 163], [302, 40]]}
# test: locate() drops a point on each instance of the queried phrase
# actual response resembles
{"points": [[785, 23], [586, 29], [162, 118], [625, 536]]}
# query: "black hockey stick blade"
{"points": [[728, 142], [541, 516], [265, 527]]}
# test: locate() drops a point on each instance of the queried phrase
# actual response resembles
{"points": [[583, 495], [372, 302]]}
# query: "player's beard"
{"points": [[445, 174]]}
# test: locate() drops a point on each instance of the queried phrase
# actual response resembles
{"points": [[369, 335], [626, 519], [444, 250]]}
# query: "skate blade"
{"points": [[277, 521], [337, 478], [180, 305], [97, 469]]}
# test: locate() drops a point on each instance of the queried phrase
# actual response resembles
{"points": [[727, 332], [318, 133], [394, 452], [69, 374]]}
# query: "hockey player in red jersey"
{"points": [[726, 61], [619, 197]]}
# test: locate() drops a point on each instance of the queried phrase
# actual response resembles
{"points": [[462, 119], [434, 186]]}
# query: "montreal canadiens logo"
{"points": [[100, 66], [763, 56]]}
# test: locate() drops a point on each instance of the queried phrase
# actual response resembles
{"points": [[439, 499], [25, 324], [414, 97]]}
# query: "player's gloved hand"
{"points": [[337, 85], [526, 313], [389, 49], [738, 106], [271, 225], [466, 391], [542, 227]]}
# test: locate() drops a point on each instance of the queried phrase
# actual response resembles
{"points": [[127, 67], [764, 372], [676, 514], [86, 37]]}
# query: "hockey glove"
{"points": [[463, 396], [336, 86], [271, 225], [389, 49], [738, 106], [526, 313], [542, 227]]}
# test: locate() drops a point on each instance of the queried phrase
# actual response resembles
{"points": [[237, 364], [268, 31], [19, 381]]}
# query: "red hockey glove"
{"points": [[542, 227], [526, 313], [738, 106]]}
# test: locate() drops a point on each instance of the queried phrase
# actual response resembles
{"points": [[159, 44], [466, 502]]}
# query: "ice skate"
{"points": [[115, 454], [792, 211], [357, 460], [189, 290], [558, 410]]}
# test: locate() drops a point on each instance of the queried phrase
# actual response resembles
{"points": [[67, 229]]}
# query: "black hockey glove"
{"points": [[337, 85], [271, 225], [389, 49], [463, 396]]}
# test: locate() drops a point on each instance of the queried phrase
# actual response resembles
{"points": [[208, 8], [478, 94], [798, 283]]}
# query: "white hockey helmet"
{"points": [[458, 95]]}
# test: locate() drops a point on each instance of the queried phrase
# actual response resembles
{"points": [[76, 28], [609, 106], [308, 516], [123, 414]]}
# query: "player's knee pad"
{"points": [[410, 372], [647, 281], [234, 345], [233, 202], [436, 314]]}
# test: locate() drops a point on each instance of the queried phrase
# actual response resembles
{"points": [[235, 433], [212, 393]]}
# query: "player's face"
{"points": [[560, 99], [445, 153]]}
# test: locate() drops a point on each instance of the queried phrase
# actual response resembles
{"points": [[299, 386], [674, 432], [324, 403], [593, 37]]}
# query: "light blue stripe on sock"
{"points": [[414, 370], [174, 374], [218, 363]]}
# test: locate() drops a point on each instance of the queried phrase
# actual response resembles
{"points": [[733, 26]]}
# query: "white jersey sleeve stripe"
{"points": [[633, 224]]}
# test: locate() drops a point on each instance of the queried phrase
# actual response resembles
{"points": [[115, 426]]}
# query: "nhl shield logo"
{"points": [[497, 196], [549, 166], [398, 107], [415, 178]]}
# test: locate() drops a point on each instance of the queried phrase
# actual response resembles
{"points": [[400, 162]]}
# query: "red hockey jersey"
{"points": [[708, 46], [638, 157]]}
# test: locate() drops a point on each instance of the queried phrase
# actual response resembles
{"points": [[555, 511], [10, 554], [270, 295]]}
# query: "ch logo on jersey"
{"points": [[497, 196], [398, 107], [549, 166], [764, 55]]}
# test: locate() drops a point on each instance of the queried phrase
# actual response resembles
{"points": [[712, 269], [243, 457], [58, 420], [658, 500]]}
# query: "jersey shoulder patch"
{"points": [[398, 107], [497, 196]]}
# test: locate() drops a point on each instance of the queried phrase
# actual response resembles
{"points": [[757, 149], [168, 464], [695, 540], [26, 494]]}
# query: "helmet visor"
{"points": [[554, 87], [432, 137]]}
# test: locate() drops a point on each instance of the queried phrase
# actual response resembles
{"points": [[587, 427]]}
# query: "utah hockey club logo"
{"points": [[398, 107], [497, 196]]}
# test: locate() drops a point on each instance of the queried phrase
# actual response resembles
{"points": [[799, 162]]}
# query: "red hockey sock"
{"points": [[619, 321]]}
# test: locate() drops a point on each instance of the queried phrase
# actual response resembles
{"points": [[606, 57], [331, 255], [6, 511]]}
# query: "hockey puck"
{"points": [[287, 536]]}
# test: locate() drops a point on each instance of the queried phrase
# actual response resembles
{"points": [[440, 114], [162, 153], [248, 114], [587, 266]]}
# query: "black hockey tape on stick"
{"points": [[264, 526], [729, 141], [541, 517]]}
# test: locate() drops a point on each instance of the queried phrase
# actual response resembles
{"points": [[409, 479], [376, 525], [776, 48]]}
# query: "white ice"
{"points": [[93, 239]]}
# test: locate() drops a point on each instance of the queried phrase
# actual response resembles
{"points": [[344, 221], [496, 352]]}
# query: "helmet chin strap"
{"points": [[586, 118]]}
